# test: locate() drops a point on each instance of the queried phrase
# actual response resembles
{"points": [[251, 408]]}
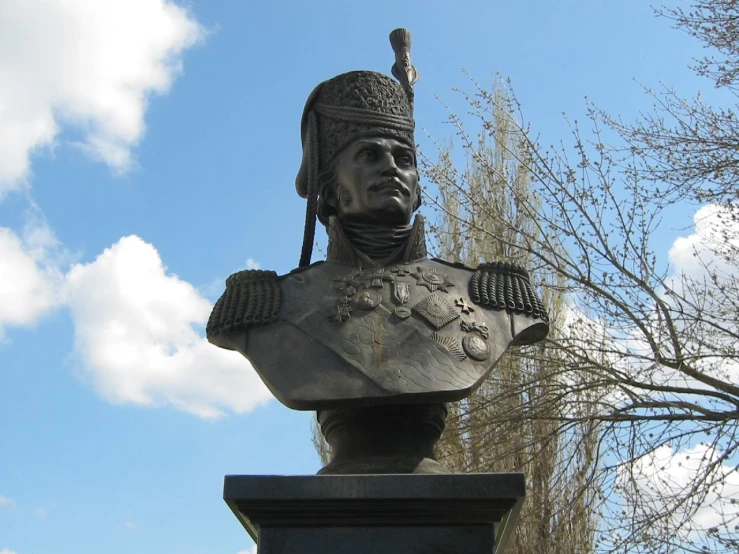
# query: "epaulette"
{"points": [[506, 286], [252, 297]]}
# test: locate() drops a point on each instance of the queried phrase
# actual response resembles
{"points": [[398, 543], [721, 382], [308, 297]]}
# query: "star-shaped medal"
{"points": [[437, 311], [432, 280]]}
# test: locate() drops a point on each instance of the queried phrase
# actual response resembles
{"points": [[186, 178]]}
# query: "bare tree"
{"points": [[646, 351], [517, 420], [687, 147]]}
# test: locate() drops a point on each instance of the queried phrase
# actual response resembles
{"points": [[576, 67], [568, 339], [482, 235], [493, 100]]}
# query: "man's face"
{"points": [[377, 181]]}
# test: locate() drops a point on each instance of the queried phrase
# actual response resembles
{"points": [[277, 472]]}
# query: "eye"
{"points": [[367, 154], [404, 160]]}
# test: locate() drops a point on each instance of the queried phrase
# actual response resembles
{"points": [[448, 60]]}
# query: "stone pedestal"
{"points": [[373, 514]]}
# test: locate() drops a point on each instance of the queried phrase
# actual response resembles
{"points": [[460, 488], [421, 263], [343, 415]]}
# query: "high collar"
{"points": [[340, 248]]}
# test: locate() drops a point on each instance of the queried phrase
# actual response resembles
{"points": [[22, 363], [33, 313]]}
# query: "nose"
{"points": [[390, 168]]}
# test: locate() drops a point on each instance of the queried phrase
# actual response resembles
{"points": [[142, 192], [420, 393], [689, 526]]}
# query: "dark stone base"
{"points": [[369, 514]]}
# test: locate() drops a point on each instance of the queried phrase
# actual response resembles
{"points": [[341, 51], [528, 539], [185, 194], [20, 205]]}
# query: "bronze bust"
{"points": [[377, 323]]}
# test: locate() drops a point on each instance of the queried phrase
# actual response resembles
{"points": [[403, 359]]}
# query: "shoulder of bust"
{"points": [[303, 269], [454, 265], [505, 286], [252, 297]]}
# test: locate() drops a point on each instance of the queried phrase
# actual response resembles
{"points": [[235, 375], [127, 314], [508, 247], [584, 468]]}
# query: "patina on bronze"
{"points": [[378, 333]]}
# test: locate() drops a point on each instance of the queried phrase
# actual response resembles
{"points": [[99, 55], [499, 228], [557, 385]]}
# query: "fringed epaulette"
{"points": [[252, 297], [506, 286]]}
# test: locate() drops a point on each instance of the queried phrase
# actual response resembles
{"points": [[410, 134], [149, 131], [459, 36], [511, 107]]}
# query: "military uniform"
{"points": [[344, 332]]}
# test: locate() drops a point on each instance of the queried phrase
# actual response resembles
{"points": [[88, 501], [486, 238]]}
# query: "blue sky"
{"points": [[148, 150]]}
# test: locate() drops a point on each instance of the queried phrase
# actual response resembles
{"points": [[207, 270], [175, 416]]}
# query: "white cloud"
{"points": [[129, 525], [7, 551], [664, 479], [138, 333], [701, 292], [705, 276], [716, 231], [6, 503], [85, 65], [41, 512], [253, 264], [30, 280], [252, 550]]}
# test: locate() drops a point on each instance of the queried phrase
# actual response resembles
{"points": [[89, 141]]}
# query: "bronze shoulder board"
{"points": [[505, 286], [252, 297]]}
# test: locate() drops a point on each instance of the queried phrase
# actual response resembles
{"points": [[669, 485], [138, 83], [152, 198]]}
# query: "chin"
{"points": [[388, 211], [394, 211]]}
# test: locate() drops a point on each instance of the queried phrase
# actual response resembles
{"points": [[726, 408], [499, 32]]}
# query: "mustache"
{"points": [[391, 183]]}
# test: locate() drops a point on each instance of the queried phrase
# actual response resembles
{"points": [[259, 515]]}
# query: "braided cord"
{"points": [[311, 208]]}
